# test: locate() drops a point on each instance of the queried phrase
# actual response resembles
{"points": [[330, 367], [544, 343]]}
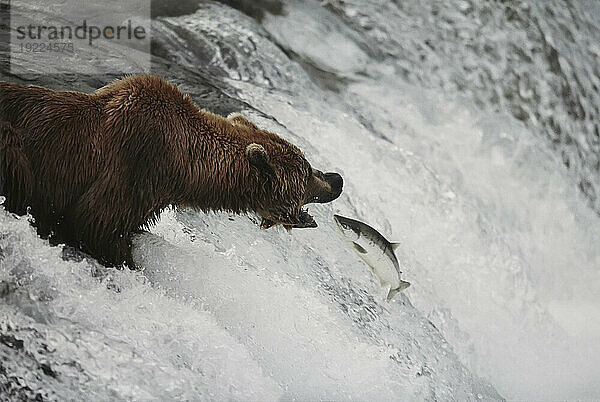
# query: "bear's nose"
{"points": [[336, 183]]}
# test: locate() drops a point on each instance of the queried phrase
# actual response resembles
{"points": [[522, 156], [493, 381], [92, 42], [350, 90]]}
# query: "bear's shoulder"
{"points": [[149, 87], [147, 95]]}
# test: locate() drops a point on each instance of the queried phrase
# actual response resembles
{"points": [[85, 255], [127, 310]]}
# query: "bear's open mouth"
{"points": [[306, 220], [303, 220]]}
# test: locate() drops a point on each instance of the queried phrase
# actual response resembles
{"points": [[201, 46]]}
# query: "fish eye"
{"points": [[345, 226]]}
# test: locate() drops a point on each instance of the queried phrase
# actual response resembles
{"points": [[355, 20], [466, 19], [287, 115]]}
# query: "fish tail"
{"points": [[393, 292]]}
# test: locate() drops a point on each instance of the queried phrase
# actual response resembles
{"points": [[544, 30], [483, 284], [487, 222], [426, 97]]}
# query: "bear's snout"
{"points": [[336, 182], [330, 188]]}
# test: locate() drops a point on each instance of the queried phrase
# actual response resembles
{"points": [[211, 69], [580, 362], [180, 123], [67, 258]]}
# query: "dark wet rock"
{"points": [[46, 369], [6, 288], [11, 341], [234, 48], [173, 8], [256, 8]]}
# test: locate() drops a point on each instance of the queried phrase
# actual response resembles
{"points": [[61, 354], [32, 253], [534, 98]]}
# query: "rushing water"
{"points": [[456, 133]]}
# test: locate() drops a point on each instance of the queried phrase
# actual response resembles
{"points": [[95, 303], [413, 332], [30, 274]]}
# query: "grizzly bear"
{"points": [[92, 169]]}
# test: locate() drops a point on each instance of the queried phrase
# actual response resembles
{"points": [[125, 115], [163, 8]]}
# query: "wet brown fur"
{"points": [[95, 168]]}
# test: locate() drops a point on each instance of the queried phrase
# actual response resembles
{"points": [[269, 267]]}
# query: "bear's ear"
{"points": [[257, 155]]}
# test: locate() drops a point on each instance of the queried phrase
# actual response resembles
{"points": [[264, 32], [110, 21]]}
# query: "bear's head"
{"points": [[286, 182]]}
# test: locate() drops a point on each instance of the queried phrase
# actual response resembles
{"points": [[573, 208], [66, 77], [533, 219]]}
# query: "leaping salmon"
{"points": [[375, 250]]}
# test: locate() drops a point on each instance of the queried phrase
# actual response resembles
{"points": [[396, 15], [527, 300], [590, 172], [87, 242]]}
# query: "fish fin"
{"points": [[359, 248], [393, 292], [395, 245]]}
